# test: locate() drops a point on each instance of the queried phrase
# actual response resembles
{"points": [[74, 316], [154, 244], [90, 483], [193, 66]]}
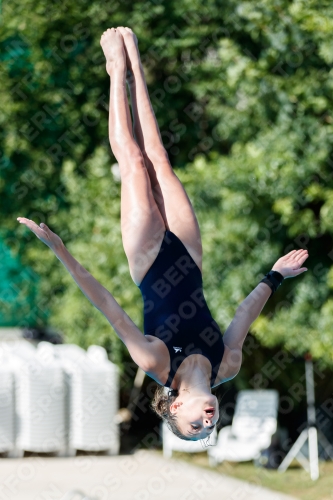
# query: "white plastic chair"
{"points": [[254, 423]]}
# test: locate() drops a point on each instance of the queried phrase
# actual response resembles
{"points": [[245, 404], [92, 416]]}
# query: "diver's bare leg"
{"points": [[169, 193], [142, 225]]}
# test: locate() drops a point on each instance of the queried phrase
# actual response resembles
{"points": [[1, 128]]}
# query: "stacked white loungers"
{"points": [[7, 431], [9, 363], [92, 398], [40, 410], [57, 399]]}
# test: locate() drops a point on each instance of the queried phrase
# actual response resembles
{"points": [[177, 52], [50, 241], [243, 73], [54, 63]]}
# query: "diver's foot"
{"points": [[133, 61], [112, 44]]}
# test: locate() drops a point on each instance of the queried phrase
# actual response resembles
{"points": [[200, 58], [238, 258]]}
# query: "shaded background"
{"points": [[243, 95]]}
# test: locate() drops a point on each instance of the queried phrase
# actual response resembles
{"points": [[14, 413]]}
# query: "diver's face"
{"points": [[196, 416]]}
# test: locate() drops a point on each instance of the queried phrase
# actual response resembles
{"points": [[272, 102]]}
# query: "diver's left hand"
{"points": [[290, 265]]}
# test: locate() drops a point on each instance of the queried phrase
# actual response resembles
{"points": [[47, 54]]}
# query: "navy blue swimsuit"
{"points": [[175, 309]]}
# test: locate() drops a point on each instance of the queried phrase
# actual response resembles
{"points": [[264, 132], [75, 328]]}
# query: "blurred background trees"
{"points": [[243, 96]]}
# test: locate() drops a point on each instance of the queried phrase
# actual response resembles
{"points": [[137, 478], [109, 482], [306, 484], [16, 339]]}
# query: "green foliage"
{"points": [[18, 291], [243, 95]]}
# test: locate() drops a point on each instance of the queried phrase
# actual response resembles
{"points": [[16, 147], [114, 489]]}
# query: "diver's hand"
{"points": [[42, 232], [290, 265]]}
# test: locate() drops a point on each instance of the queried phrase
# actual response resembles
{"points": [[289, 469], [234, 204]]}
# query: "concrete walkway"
{"points": [[142, 476]]}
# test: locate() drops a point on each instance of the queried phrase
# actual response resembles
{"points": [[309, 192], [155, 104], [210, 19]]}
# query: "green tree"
{"points": [[243, 96]]}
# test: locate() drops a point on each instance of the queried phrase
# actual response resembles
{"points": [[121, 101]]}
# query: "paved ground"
{"points": [[143, 476]]}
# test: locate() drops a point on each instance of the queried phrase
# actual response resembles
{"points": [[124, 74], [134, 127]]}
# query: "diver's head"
{"points": [[189, 416], [196, 415]]}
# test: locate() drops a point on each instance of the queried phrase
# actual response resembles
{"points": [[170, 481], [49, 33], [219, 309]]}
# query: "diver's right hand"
{"points": [[42, 232]]}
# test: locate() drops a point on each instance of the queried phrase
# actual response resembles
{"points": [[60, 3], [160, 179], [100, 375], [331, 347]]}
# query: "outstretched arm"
{"points": [[289, 266], [100, 297]]}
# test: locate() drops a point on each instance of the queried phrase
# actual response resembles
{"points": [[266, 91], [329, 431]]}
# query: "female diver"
{"points": [[183, 347]]}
